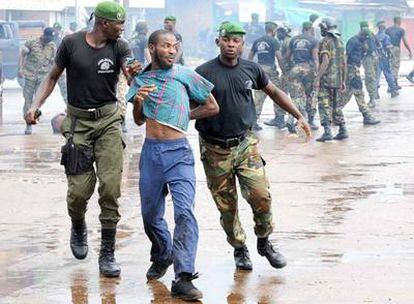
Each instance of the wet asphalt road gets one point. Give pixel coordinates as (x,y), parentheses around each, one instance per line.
(343,214)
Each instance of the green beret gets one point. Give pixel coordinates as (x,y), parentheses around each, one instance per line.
(363,24)
(230,28)
(170,18)
(57,25)
(110,10)
(306,25)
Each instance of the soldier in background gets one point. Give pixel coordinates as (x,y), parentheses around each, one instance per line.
(370,64)
(384,66)
(397,33)
(330,80)
(355,50)
(304,51)
(36,59)
(267,49)
(139,43)
(283,35)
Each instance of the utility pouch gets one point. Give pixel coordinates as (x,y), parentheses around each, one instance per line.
(76,159)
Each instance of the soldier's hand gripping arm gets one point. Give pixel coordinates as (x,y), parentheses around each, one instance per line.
(44,91)
(281,99)
(207,109)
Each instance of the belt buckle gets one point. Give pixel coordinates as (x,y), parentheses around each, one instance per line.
(232,142)
(93,113)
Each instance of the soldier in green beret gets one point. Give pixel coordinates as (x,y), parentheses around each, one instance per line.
(93,61)
(229,149)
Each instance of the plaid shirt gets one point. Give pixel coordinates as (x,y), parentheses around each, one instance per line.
(170,103)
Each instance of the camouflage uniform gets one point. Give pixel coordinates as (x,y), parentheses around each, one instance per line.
(329,105)
(37,63)
(222,166)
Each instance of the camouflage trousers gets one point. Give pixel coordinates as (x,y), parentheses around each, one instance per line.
(354,87)
(222,166)
(330,107)
(302,77)
(103,137)
(260,96)
(370,64)
(395,61)
(29,90)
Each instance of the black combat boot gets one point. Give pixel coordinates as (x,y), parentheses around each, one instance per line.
(342,134)
(79,239)
(275,258)
(327,134)
(158,269)
(394,93)
(242,258)
(311,122)
(184,289)
(108,266)
(369,119)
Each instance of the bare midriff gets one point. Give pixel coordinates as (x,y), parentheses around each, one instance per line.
(155,130)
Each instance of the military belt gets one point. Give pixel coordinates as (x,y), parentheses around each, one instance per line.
(224,142)
(93,113)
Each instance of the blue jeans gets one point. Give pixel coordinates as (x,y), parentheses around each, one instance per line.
(385,67)
(168,165)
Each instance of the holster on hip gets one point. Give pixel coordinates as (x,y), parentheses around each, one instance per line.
(77,159)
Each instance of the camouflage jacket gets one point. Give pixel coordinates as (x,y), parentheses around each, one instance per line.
(334,48)
(39,58)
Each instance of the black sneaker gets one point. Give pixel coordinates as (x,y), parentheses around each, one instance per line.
(182,288)
(158,269)
(242,258)
(275,258)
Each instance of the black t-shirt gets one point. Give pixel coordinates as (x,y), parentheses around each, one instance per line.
(301,47)
(266,47)
(92,74)
(396,34)
(233,91)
